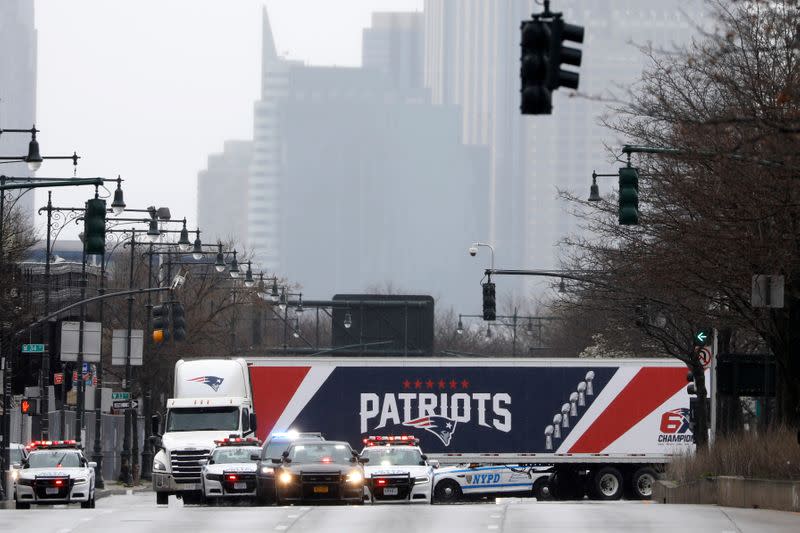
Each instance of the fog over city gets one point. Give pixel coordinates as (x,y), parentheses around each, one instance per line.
(364,153)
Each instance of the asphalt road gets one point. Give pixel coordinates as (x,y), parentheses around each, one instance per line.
(139,513)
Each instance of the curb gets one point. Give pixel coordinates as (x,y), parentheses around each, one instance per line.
(118,491)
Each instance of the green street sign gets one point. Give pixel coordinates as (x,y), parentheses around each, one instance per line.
(120,395)
(33,348)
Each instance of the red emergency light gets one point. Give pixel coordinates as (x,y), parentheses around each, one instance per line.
(232,477)
(238,441)
(378,440)
(40,444)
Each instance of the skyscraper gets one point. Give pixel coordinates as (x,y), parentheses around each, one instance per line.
(222,194)
(17,85)
(357,181)
(395,45)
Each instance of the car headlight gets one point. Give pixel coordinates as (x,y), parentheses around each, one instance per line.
(214,477)
(14,475)
(24,481)
(80,480)
(420,480)
(267,470)
(355,477)
(158,465)
(285,478)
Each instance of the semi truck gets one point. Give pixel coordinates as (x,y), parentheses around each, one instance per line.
(603,427)
(212,400)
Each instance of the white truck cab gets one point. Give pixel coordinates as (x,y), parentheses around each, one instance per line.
(212,401)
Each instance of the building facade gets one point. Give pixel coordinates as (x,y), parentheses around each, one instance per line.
(222,194)
(18,52)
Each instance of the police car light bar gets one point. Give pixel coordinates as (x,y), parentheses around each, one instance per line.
(38,444)
(238,441)
(377,440)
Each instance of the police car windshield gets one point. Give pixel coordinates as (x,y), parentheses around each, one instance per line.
(54,459)
(276,446)
(16,456)
(392,455)
(209,419)
(324,452)
(233,454)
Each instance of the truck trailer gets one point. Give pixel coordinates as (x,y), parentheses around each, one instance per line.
(604,427)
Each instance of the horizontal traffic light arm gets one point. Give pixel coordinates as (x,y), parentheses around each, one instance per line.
(89,300)
(54,182)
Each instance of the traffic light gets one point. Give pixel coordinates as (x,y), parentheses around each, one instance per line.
(160,323)
(536,39)
(178,321)
(94,226)
(628,196)
(560,31)
(702,337)
(489,302)
(29,406)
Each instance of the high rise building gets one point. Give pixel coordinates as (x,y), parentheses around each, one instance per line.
(222,194)
(357,181)
(17,86)
(395,44)
(472,60)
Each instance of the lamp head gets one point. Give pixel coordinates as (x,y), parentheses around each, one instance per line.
(473,251)
(184,244)
(34,158)
(197,250)
(118,205)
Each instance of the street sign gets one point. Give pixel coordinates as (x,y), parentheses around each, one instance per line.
(91,341)
(120,395)
(119,346)
(33,348)
(125,404)
(702,337)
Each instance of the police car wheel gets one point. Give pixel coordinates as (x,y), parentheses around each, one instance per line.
(541,490)
(87,504)
(162,498)
(447,491)
(642,483)
(20,505)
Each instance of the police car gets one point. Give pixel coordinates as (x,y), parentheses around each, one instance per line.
(230,472)
(55,472)
(454,483)
(397,471)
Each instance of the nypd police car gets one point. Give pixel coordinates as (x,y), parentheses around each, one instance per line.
(460,482)
(55,472)
(230,472)
(397,471)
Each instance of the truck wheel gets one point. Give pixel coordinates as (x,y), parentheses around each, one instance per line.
(20,505)
(642,483)
(541,490)
(447,491)
(162,498)
(607,484)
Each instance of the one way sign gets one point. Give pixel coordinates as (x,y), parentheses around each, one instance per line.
(119,405)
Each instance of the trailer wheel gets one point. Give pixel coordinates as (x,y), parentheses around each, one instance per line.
(162,498)
(541,489)
(607,484)
(642,483)
(447,491)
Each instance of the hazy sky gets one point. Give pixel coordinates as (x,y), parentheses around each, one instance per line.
(149,88)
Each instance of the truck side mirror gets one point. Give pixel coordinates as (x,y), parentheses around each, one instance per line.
(253,425)
(155,423)
(364,460)
(285,454)
(276,461)
(424,457)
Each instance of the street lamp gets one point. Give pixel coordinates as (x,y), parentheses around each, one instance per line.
(234,270)
(248,277)
(348,320)
(184,245)
(219,264)
(197,250)
(282,302)
(118,205)
(460,327)
(153,233)
(299,308)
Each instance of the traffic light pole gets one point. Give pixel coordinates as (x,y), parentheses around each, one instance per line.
(126,471)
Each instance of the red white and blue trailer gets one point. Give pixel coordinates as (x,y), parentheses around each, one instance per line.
(603,426)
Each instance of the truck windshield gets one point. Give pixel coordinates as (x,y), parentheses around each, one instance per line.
(392,455)
(207,419)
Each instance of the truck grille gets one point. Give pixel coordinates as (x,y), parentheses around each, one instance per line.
(187,464)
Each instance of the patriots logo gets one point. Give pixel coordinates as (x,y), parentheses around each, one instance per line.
(212,381)
(440,426)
